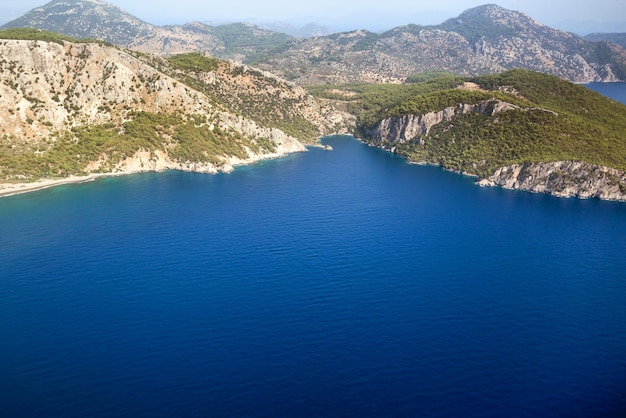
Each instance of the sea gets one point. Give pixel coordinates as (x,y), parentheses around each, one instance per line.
(344,283)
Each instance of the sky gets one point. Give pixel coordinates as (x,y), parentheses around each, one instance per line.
(577,16)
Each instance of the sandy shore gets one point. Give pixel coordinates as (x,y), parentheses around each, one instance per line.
(9,189)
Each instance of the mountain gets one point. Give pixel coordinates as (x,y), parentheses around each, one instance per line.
(517,129)
(73,108)
(616,38)
(101,20)
(481,40)
(97,19)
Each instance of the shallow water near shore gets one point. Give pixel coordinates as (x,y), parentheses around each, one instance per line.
(341,283)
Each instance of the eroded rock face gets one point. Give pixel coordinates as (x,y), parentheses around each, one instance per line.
(408,127)
(562,179)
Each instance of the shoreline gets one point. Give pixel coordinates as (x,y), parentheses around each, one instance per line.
(134,165)
(11,189)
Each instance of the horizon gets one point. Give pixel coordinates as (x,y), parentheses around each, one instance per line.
(581,18)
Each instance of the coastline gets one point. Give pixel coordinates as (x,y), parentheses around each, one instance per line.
(145,162)
(11,189)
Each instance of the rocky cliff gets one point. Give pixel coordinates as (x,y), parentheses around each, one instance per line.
(559,178)
(408,127)
(562,179)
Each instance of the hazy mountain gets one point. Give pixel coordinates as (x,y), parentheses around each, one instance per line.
(305,31)
(98,19)
(481,40)
(616,38)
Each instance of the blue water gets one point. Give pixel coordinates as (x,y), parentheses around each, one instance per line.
(343,283)
(616,91)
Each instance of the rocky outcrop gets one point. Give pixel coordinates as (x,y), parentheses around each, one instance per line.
(158,160)
(562,179)
(408,127)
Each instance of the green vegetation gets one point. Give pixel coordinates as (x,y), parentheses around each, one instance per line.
(265,104)
(194,61)
(30,34)
(192,139)
(242,37)
(371,102)
(438,100)
(427,76)
(557,120)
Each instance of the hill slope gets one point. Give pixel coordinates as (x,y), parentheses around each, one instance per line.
(518,129)
(72,108)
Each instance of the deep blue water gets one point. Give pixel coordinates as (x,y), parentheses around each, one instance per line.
(616,91)
(343,283)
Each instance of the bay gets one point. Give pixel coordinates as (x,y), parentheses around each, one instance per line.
(342,283)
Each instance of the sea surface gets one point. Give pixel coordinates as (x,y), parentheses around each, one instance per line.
(325,283)
(616,91)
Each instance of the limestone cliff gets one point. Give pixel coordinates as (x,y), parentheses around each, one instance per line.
(408,127)
(559,178)
(562,179)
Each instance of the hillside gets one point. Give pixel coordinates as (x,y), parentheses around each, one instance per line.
(517,129)
(71,108)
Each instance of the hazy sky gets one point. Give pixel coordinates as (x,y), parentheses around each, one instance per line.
(573,15)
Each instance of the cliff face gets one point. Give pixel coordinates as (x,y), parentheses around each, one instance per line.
(562,179)
(408,127)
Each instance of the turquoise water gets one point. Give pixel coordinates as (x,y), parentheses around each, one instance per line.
(343,283)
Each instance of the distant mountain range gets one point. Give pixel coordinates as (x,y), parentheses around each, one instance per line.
(298,31)
(481,40)
(616,38)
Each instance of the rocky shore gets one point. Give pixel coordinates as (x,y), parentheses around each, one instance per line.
(562,179)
